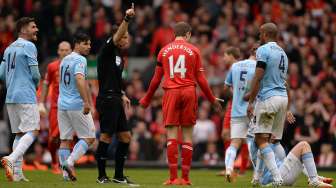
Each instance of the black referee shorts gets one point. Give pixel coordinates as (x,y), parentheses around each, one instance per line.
(112,117)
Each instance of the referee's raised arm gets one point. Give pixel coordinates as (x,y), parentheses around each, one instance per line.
(130,13)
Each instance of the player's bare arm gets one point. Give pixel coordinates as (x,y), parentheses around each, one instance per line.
(255,85)
(290,117)
(130,13)
(43,98)
(82,88)
(89,94)
(126,102)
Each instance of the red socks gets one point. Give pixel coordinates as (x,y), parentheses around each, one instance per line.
(187,151)
(172,155)
(53,147)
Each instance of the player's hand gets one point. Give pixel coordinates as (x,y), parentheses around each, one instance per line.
(126,102)
(143,103)
(217,106)
(290,117)
(42,109)
(130,12)
(86,108)
(247,96)
(92,110)
(250,109)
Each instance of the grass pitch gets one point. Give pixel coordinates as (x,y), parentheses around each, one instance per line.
(147,178)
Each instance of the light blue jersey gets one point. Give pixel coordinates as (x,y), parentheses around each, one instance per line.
(240,77)
(69,97)
(17,61)
(275,76)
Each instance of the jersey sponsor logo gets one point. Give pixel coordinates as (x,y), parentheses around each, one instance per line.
(118,60)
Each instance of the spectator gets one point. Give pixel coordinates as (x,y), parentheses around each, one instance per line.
(307,132)
(327,156)
(204,131)
(211,157)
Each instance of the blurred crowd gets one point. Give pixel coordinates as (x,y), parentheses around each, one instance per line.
(307,33)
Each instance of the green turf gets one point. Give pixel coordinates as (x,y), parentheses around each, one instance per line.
(145,177)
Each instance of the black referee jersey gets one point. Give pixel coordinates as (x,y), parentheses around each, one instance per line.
(110,66)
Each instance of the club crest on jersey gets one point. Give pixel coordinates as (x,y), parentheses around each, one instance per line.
(118,60)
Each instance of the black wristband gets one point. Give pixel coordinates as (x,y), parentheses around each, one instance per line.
(127,18)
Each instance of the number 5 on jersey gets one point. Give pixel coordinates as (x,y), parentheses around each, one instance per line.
(179,66)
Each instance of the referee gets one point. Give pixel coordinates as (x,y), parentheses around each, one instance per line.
(111,102)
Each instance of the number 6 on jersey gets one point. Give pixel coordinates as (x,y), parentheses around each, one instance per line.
(179,66)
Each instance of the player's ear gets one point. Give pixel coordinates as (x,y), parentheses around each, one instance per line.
(188,35)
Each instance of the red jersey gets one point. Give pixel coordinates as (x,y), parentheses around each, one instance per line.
(181,62)
(52,80)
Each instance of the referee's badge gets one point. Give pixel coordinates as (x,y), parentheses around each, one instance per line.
(118,60)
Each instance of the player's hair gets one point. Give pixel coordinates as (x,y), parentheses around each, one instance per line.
(23,22)
(80,37)
(181,29)
(270,29)
(235,52)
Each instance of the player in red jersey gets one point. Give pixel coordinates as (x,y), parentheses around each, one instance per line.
(179,63)
(51,81)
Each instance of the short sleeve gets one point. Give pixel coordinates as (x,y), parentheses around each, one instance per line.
(261,54)
(80,67)
(31,53)
(228,79)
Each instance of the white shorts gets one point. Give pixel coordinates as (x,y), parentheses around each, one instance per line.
(239,126)
(23,117)
(271,115)
(290,169)
(75,121)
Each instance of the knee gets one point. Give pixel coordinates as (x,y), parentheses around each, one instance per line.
(35,133)
(65,144)
(19,135)
(236,143)
(273,141)
(125,137)
(105,138)
(90,141)
(261,139)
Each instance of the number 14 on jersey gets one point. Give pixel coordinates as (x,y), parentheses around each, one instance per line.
(179,66)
